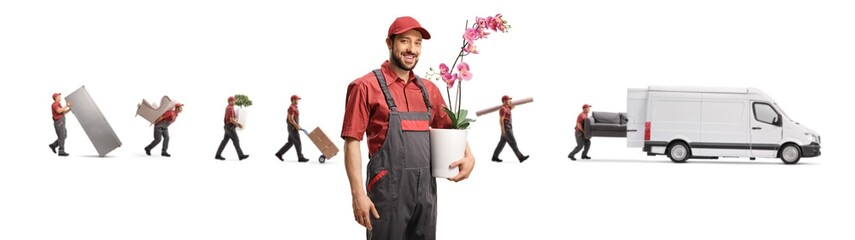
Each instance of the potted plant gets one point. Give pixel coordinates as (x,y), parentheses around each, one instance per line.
(449,145)
(242,101)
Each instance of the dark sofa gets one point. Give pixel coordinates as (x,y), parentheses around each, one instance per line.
(605,124)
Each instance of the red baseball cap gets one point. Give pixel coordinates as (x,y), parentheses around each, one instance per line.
(231,98)
(505,98)
(407,23)
(586,105)
(54,95)
(179,105)
(295,97)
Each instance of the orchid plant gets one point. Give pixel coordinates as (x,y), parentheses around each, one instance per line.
(482,27)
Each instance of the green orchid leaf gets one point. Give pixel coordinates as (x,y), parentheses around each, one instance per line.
(462,117)
(464,125)
(453,117)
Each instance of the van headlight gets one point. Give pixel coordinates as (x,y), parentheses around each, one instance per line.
(813,137)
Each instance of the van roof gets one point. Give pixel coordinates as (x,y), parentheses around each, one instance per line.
(704,89)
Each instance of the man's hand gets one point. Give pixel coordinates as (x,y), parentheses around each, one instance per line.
(68,104)
(466,164)
(239,125)
(363,208)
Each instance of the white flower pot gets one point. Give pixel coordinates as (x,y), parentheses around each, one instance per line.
(241,114)
(446,146)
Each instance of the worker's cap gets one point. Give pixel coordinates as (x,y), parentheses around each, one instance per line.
(586,106)
(407,23)
(54,95)
(505,98)
(231,98)
(179,105)
(295,97)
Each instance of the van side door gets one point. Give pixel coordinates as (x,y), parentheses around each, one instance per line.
(766,130)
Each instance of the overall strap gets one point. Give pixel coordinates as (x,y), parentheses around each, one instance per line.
(382,81)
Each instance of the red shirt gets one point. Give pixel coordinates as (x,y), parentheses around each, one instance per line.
(581,120)
(53,108)
(168,116)
(366,111)
(230,113)
(293,110)
(505,114)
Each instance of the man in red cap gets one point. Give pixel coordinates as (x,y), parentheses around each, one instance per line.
(396,109)
(581,139)
(58,112)
(231,122)
(161,128)
(293,132)
(507,136)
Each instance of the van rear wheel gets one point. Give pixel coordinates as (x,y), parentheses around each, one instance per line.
(679,152)
(791,154)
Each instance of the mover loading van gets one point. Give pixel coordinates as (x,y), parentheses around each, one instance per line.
(696,122)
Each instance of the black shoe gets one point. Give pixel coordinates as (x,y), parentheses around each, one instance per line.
(219,158)
(522,159)
(165,154)
(303,160)
(497,160)
(571,157)
(586,157)
(279,156)
(147,151)
(241,158)
(52,148)
(63,154)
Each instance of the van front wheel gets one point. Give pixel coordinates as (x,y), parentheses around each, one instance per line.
(679,152)
(791,154)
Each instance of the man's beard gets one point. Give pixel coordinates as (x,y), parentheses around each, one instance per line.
(400,63)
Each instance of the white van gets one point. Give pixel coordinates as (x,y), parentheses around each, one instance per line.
(696,122)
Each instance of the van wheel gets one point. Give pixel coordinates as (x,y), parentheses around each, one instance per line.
(791,154)
(679,152)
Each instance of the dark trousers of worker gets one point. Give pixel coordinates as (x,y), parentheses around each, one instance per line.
(399,177)
(160,130)
(508,138)
(581,142)
(231,134)
(61,134)
(293,140)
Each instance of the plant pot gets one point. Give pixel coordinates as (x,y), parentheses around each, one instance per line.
(446,146)
(241,114)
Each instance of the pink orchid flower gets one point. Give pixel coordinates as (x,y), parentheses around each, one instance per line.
(499,22)
(483,33)
(471,35)
(443,69)
(491,23)
(450,79)
(481,22)
(470,48)
(463,70)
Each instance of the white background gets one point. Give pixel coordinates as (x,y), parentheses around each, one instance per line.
(200,52)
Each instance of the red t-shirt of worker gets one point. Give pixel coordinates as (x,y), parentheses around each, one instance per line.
(505,114)
(581,119)
(53,107)
(168,116)
(366,112)
(230,113)
(294,111)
